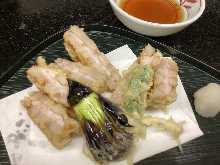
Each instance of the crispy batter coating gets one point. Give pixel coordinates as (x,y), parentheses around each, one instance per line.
(83,74)
(82,49)
(50,80)
(165,69)
(51,118)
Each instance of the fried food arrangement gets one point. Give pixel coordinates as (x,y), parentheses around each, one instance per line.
(104,126)
(66,86)
(150,82)
(69,102)
(82,49)
(51,118)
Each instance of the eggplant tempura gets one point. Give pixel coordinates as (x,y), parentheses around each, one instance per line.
(105,127)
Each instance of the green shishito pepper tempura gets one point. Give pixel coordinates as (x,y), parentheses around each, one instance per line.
(135,88)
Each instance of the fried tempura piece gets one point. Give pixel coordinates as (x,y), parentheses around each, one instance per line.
(81,48)
(165,77)
(85,75)
(51,118)
(50,80)
(132,92)
(149,56)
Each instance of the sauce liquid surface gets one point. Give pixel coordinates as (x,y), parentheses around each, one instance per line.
(157,11)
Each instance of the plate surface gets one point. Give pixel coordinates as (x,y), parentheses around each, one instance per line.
(193,73)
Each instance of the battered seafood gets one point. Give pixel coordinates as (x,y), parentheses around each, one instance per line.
(51,118)
(85,75)
(81,48)
(50,80)
(165,69)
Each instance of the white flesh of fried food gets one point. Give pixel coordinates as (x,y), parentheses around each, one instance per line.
(165,77)
(85,75)
(50,80)
(81,48)
(51,118)
(174,128)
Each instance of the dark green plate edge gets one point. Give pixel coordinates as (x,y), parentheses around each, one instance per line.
(105,28)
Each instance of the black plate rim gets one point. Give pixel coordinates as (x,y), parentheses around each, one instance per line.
(111,29)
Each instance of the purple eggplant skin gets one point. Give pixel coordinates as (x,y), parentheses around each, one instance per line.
(114,111)
(110,140)
(107,146)
(77,92)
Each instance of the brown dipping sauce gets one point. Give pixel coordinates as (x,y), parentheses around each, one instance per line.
(158,11)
